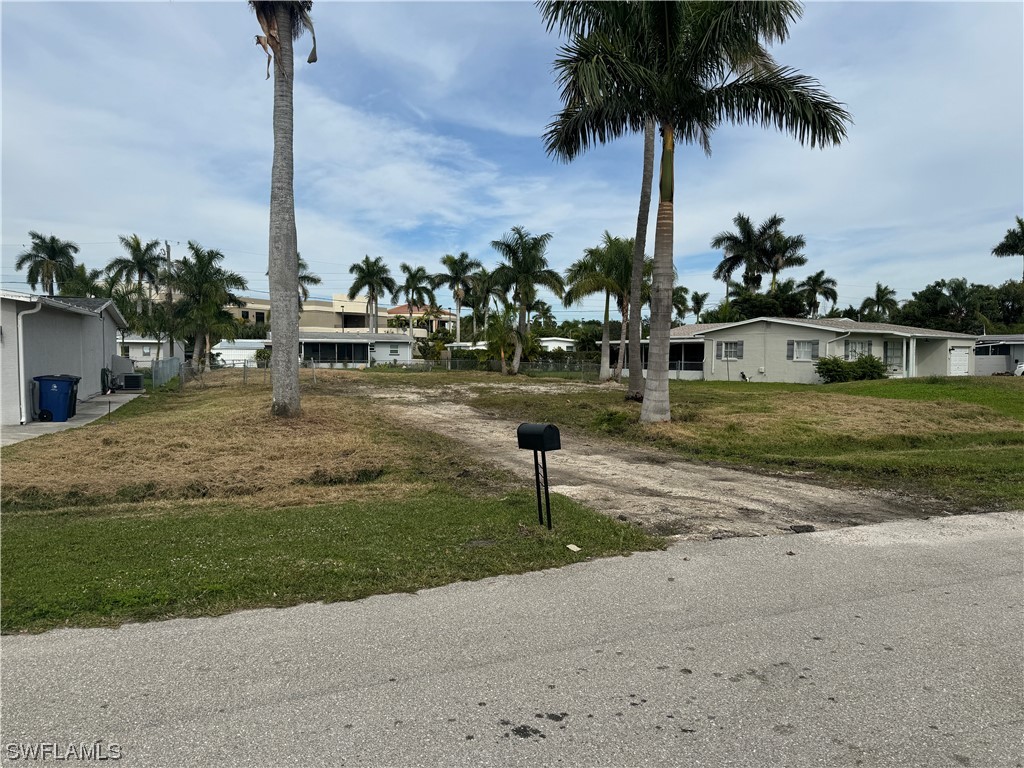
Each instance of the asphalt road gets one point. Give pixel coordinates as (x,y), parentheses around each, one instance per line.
(891,645)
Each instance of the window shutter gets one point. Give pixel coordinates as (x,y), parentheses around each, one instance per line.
(869,346)
(846,349)
(814,350)
(739,350)
(789,349)
(718,350)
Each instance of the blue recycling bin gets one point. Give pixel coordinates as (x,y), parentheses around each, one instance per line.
(55,396)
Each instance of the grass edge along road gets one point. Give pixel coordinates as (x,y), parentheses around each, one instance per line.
(416,513)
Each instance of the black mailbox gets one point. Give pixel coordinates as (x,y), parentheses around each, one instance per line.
(539,437)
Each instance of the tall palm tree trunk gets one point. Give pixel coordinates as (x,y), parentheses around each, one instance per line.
(284,260)
(458,321)
(656,403)
(606,345)
(517,358)
(617,373)
(635,387)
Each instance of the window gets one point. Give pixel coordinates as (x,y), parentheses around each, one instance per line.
(855,349)
(124,351)
(893,351)
(394,349)
(261,317)
(729,350)
(146,351)
(802,349)
(245,314)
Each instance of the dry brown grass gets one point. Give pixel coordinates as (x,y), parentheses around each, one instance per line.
(220,441)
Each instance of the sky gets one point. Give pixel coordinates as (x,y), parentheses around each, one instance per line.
(418,133)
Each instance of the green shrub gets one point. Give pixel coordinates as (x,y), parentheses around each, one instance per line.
(834,369)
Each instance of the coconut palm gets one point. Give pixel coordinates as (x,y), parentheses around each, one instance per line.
(697,302)
(784,252)
(306,279)
(525,267)
(1013,243)
(49,260)
(83,282)
(206,288)
(593,273)
(141,264)
(748,247)
(502,335)
(882,304)
(282,23)
(817,285)
(374,277)
(484,289)
(458,279)
(416,289)
(688,66)
(680,301)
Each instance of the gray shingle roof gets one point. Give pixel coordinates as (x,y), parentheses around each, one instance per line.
(852,326)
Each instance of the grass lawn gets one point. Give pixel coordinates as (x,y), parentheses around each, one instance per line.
(962,439)
(199,503)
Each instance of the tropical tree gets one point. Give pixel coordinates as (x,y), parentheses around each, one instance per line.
(306,279)
(524,269)
(502,335)
(680,301)
(542,314)
(748,247)
(483,289)
(882,304)
(416,289)
(784,252)
(82,281)
(282,23)
(457,278)
(141,264)
(374,277)
(687,66)
(697,302)
(49,260)
(1013,243)
(206,288)
(819,284)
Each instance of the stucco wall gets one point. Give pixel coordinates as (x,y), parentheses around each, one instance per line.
(764,354)
(10,410)
(932,357)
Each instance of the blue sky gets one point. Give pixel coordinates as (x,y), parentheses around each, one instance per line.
(417,133)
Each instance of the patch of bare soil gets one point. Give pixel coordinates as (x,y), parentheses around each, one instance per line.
(655,489)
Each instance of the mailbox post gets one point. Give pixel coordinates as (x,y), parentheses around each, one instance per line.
(540,438)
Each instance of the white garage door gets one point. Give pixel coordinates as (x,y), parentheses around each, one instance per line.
(958,361)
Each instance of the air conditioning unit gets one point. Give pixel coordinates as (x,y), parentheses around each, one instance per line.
(132,380)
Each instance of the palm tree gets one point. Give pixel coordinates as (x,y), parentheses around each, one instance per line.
(697,302)
(484,288)
(882,304)
(817,285)
(525,267)
(374,277)
(1013,243)
(306,279)
(688,66)
(784,252)
(542,314)
(49,261)
(502,336)
(415,289)
(748,247)
(593,273)
(680,303)
(141,264)
(83,282)
(206,288)
(283,22)
(457,279)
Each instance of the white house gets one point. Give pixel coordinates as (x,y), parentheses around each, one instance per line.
(142,351)
(551,343)
(786,349)
(998,353)
(43,336)
(343,349)
(239,351)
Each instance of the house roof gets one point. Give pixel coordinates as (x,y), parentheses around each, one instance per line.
(689,331)
(403,309)
(1001,338)
(81,306)
(850,326)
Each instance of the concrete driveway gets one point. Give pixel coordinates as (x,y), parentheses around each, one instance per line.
(100,406)
(889,645)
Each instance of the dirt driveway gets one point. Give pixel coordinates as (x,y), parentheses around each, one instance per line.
(649,487)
